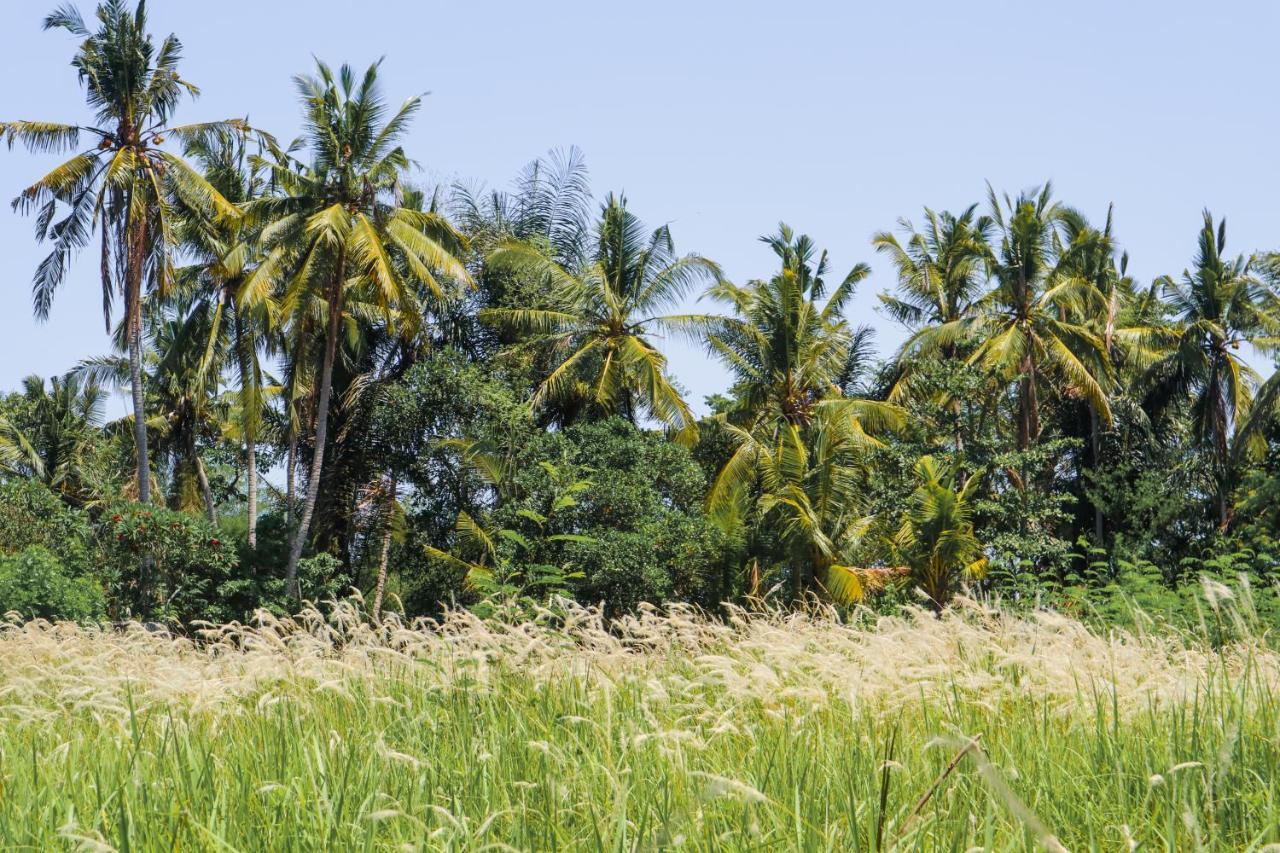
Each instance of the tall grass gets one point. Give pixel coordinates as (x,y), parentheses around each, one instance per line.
(669,730)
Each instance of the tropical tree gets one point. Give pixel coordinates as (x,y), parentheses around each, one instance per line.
(807,484)
(800,444)
(942,272)
(786,348)
(338,241)
(941,275)
(935,544)
(603,313)
(124,183)
(224,252)
(184,403)
(53,434)
(1030,328)
(1218,305)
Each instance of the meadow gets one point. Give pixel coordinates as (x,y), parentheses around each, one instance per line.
(772,730)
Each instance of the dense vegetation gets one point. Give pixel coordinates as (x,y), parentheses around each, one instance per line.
(447,397)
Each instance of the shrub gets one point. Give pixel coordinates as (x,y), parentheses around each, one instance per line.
(167,565)
(30,514)
(36,584)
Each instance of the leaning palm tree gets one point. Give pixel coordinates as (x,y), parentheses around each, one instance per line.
(1219,305)
(337,236)
(1030,329)
(603,314)
(123,184)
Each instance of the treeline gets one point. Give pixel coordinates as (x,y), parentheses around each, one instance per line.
(464,398)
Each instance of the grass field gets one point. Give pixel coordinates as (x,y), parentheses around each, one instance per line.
(773,731)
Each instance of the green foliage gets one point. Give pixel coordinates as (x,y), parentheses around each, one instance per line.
(167,565)
(32,515)
(35,584)
(482,374)
(650,540)
(935,542)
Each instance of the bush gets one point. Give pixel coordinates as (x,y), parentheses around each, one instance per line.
(36,584)
(30,514)
(168,565)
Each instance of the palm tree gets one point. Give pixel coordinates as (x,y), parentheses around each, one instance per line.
(808,484)
(124,183)
(800,442)
(181,396)
(337,235)
(1219,305)
(941,275)
(54,440)
(225,252)
(786,348)
(1030,328)
(935,543)
(602,314)
(550,205)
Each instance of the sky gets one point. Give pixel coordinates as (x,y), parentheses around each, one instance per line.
(723,118)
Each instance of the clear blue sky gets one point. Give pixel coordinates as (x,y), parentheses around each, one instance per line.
(722,118)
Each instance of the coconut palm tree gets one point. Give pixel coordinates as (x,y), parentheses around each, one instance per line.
(935,544)
(603,314)
(1031,328)
(123,183)
(942,272)
(1219,305)
(183,399)
(224,252)
(807,483)
(941,275)
(337,237)
(800,443)
(53,442)
(786,347)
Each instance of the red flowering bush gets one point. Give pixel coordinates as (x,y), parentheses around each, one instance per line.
(164,564)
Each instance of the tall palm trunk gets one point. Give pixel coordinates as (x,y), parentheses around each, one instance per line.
(322,430)
(202,476)
(1028,404)
(135,241)
(248,374)
(1095,459)
(1221,451)
(251,462)
(381,585)
(142,466)
(291,476)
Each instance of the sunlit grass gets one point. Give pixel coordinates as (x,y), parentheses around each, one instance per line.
(770,731)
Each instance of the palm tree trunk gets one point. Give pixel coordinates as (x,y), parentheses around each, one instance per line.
(381,586)
(1095,443)
(290,478)
(1028,405)
(248,374)
(210,506)
(251,461)
(143,465)
(322,432)
(135,236)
